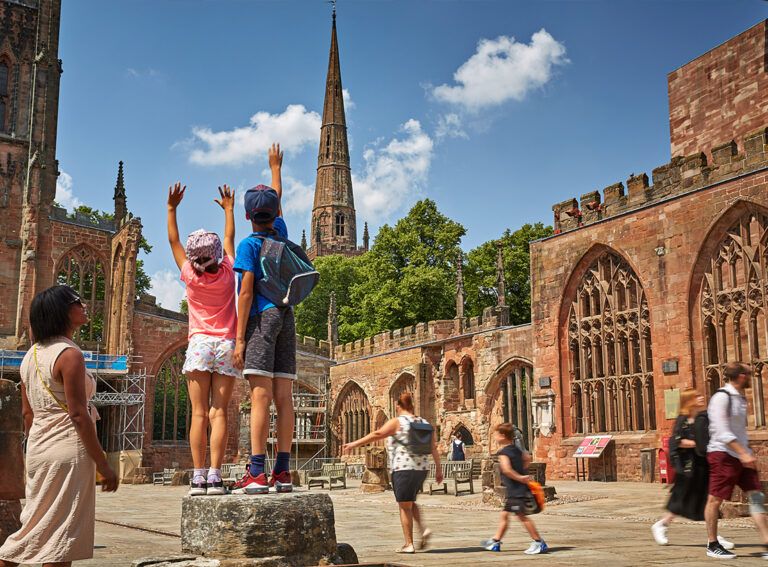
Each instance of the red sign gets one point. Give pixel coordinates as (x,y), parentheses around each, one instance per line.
(592,446)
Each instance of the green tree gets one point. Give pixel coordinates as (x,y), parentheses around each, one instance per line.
(480,273)
(184,307)
(93,214)
(338,274)
(408,275)
(143,281)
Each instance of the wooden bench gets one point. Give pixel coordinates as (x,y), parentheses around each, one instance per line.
(460,472)
(229,472)
(163,478)
(330,473)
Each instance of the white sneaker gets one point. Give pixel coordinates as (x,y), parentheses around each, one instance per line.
(725,543)
(659,532)
(536,547)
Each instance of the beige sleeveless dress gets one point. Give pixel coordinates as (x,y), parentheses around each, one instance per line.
(58,518)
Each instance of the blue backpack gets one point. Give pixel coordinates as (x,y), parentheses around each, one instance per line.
(287,274)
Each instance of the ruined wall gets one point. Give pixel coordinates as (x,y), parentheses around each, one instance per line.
(426,352)
(661,238)
(720,95)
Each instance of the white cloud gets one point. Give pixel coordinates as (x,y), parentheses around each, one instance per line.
(64,196)
(393,173)
(450,125)
(503,69)
(167,288)
(298,197)
(293,129)
(131,72)
(348,102)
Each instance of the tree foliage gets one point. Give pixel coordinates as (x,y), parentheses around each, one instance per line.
(93,214)
(480,273)
(407,276)
(143,281)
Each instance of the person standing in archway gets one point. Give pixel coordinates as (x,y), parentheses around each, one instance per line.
(457,448)
(408,466)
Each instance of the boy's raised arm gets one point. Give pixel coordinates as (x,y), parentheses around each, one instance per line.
(227,202)
(175,195)
(275,164)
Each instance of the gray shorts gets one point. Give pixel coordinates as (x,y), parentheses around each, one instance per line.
(270,344)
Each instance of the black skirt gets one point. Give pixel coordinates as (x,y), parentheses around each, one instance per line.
(689,493)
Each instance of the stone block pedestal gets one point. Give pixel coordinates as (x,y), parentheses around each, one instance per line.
(376,475)
(270,530)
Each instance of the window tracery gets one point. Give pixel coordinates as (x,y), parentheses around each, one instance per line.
(353,417)
(172,408)
(609,343)
(732,305)
(405,383)
(82,270)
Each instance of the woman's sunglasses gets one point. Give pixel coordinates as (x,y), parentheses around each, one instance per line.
(78,301)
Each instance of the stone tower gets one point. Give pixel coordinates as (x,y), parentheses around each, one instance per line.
(334,227)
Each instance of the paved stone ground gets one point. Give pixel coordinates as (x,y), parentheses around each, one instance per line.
(596,524)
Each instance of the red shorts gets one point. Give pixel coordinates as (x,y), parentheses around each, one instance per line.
(726,471)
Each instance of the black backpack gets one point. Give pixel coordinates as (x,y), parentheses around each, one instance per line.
(419,440)
(701,426)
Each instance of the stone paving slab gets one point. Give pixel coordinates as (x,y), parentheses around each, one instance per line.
(603,524)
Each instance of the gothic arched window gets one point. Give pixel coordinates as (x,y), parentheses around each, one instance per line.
(609,338)
(733,305)
(352,416)
(4,99)
(82,270)
(405,383)
(467,380)
(339,224)
(172,409)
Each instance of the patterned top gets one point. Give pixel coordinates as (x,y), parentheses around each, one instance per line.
(399,457)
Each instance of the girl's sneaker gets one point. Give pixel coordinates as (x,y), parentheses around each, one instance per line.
(281,481)
(536,547)
(251,485)
(215,486)
(199,487)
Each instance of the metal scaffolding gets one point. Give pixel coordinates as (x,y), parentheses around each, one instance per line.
(121,402)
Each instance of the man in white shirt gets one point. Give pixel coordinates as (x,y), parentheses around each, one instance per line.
(731,461)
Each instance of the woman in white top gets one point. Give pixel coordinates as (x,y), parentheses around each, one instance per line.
(407,470)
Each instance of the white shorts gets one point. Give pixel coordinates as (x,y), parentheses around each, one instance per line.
(210,354)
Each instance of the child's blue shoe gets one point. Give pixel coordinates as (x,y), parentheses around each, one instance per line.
(491,544)
(537,547)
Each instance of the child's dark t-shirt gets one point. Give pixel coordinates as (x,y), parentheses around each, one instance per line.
(514,489)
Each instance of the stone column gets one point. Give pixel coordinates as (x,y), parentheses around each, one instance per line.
(11,459)
(519,395)
(376,476)
(510,397)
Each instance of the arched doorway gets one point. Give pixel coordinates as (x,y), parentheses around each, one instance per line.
(406,382)
(351,417)
(509,399)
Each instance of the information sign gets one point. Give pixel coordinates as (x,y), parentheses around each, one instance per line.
(592,446)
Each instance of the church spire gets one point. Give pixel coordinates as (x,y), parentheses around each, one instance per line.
(333,213)
(121,208)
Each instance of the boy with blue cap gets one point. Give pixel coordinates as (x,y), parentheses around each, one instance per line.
(265,347)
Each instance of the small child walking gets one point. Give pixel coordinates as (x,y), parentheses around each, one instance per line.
(209,366)
(266,341)
(514,465)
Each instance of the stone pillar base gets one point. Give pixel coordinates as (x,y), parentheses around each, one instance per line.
(280,530)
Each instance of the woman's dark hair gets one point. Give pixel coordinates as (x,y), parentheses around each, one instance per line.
(405,401)
(49,312)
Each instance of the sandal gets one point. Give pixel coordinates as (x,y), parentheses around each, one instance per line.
(425,538)
(405,549)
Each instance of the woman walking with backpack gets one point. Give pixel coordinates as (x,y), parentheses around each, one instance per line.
(408,464)
(688,496)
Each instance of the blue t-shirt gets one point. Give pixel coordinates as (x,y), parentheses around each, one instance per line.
(247,260)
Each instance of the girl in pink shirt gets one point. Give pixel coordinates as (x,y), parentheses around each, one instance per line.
(212,328)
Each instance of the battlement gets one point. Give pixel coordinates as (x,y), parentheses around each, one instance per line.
(421,333)
(680,175)
(148,304)
(311,345)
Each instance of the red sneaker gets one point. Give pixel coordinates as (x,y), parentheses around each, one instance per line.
(251,485)
(281,481)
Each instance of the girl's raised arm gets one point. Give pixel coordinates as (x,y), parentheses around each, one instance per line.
(227,202)
(175,195)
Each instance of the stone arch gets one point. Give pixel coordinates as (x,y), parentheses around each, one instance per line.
(405,382)
(351,416)
(507,398)
(466,434)
(83,269)
(171,409)
(728,300)
(617,337)
(467,380)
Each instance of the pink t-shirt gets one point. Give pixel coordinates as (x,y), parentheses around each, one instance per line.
(211,300)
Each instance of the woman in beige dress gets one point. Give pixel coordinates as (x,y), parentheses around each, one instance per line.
(62,447)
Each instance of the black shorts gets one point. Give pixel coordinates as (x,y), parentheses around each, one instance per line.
(270,344)
(407,484)
(515,505)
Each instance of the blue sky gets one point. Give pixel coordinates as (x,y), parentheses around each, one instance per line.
(495,109)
